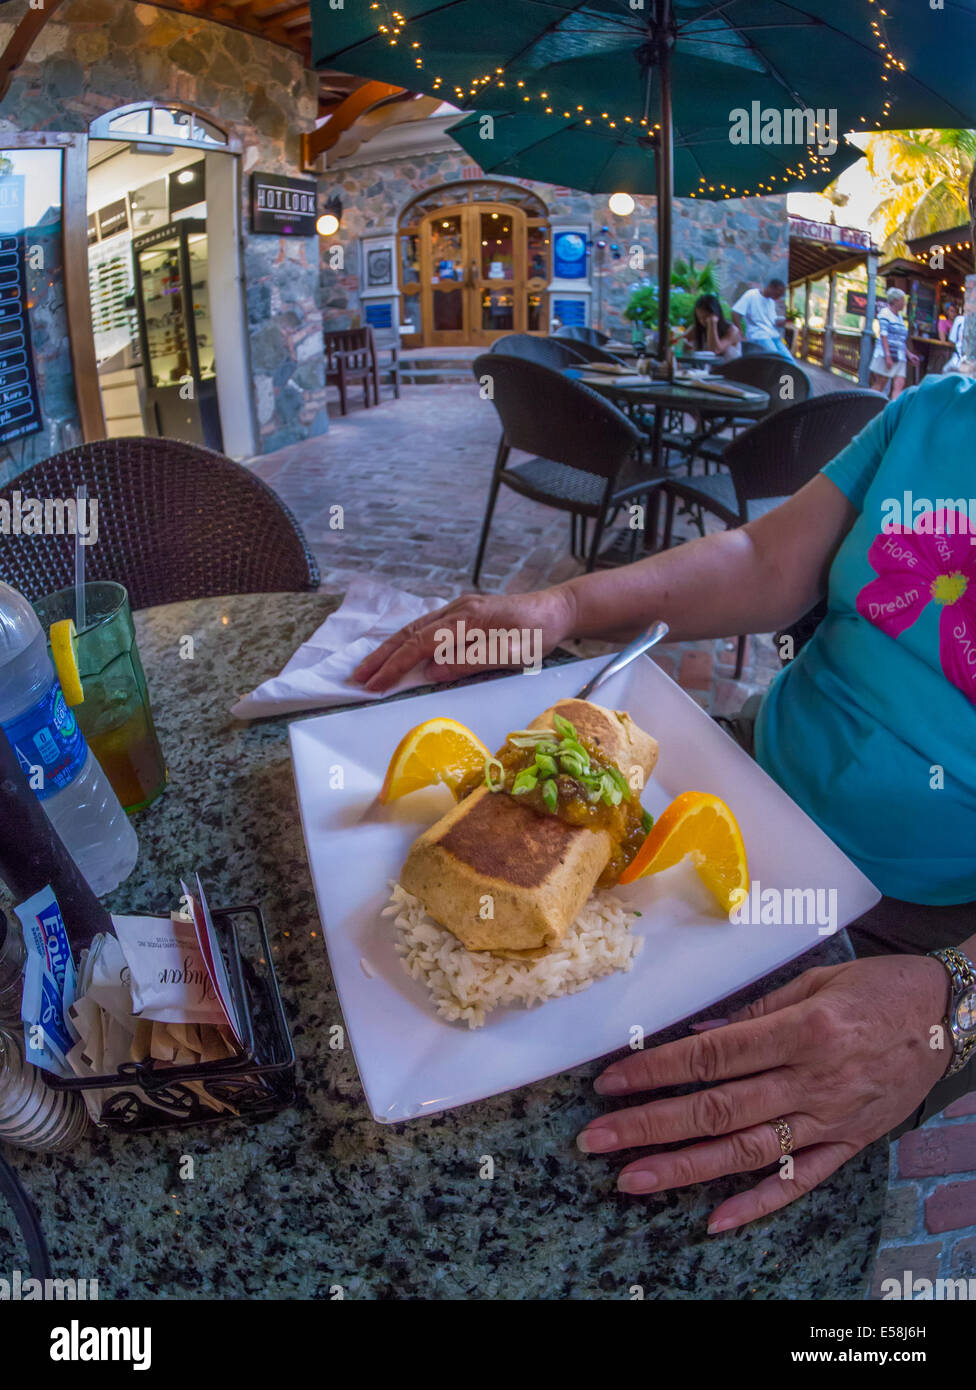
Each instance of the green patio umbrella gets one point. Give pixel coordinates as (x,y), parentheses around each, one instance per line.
(595,159)
(615,64)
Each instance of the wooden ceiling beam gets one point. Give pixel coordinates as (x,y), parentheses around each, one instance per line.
(367,96)
(267,9)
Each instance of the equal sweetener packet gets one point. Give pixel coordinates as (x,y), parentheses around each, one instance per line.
(49,983)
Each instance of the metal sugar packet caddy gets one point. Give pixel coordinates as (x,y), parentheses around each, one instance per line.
(257,1082)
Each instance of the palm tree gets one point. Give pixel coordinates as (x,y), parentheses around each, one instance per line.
(924,176)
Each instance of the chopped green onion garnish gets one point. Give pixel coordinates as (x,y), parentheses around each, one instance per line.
(610,792)
(550,795)
(525,781)
(620,781)
(572,745)
(490,765)
(571,764)
(647,820)
(546,765)
(563,726)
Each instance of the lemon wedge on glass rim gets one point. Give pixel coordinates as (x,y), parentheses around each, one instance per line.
(64,651)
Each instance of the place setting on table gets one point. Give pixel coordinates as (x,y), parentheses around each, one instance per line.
(645,955)
(670,387)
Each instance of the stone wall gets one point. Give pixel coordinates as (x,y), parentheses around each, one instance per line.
(747,237)
(96,55)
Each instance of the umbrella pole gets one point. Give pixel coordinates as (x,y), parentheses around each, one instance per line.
(664,157)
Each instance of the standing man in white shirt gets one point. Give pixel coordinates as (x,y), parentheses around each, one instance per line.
(954,336)
(760,318)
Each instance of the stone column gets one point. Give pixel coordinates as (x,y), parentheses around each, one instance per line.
(867,333)
(828,349)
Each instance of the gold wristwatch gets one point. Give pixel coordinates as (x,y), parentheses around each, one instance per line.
(960,1021)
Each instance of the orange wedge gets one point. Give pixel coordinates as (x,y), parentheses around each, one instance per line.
(439,750)
(702,826)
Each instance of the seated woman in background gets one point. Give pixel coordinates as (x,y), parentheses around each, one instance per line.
(711,330)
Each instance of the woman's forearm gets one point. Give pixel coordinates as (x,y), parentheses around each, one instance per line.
(703,589)
(755,578)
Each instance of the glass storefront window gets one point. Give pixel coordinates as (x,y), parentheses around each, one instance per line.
(200,300)
(537,239)
(497,254)
(166,330)
(446,250)
(410,259)
(173,124)
(132,123)
(412,312)
(37,400)
(497,310)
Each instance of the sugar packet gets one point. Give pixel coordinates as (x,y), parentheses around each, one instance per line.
(168,976)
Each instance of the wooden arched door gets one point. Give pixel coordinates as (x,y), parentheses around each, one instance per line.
(484,269)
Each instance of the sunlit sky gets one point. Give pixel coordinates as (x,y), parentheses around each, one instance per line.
(863,196)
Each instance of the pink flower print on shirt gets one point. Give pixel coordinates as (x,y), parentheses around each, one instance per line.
(932,562)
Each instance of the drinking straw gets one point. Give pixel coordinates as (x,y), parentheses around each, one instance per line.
(80,615)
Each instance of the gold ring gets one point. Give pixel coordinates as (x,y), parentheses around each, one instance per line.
(785,1134)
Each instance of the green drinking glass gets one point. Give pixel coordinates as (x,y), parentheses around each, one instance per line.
(115,715)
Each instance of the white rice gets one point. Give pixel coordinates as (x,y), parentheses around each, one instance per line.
(467,985)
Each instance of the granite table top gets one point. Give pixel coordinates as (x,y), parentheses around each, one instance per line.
(321,1198)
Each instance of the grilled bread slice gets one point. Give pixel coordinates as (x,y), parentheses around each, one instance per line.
(502,877)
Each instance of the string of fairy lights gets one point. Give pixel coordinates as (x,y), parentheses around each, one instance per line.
(393,26)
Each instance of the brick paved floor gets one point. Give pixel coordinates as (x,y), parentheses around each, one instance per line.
(412,477)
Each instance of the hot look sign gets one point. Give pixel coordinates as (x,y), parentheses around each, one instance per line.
(281,206)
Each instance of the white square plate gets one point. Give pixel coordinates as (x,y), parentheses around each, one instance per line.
(412,1062)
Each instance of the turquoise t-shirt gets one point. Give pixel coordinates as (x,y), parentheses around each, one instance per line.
(872,728)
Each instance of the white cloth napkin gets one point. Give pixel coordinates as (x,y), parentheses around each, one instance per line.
(318,675)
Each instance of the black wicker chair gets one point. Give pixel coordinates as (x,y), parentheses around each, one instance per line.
(773,460)
(546,351)
(593,336)
(588,351)
(175,521)
(586,453)
(785,382)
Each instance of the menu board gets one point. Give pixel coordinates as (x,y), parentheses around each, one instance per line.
(20,411)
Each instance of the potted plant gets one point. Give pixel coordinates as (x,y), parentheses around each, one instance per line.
(688,280)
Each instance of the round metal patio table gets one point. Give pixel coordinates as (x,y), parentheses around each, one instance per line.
(321,1195)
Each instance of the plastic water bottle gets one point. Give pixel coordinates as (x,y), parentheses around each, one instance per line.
(51,749)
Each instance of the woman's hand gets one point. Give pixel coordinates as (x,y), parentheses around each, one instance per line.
(843,1053)
(545,617)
